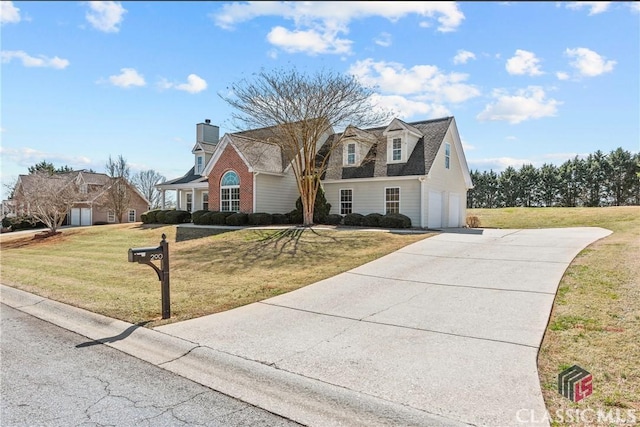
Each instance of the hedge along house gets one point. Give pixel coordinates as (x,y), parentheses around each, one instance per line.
(417,169)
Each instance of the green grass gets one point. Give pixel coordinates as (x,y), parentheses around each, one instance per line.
(88,267)
(595,321)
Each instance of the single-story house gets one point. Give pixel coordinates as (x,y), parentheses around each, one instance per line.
(89,208)
(417,169)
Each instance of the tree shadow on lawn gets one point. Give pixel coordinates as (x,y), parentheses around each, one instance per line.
(287,242)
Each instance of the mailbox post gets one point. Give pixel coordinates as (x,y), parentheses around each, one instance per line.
(160,253)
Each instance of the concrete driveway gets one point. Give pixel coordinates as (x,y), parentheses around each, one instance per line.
(443,332)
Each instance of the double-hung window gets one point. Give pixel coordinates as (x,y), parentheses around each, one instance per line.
(111,216)
(351,154)
(199,164)
(346,201)
(132,215)
(230,192)
(189,202)
(392,200)
(205,201)
(397,149)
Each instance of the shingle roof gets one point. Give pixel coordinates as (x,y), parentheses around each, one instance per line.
(375,162)
(262,156)
(187,178)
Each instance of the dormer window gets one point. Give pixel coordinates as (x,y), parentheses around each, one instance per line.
(351,154)
(84,188)
(199,164)
(397,149)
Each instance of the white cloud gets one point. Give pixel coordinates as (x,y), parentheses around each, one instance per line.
(524,62)
(425,82)
(594,7)
(404,108)
(310,41)
(384,40)
(32,61)
(9,14)
(194,84)
(26,157)
(128,77)
(463,56)
(525,104)
(588,63)
(497,164)
(322,25)
(105,15)
(562,75)
(634,6)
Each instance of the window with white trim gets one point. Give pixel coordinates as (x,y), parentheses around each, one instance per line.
(111,216)
(205,201)
(397,149)
(132,215)
(346,201)
(230,192)
(447,155)
(392,200)
(351,154)
(84,188)
(189,202)
(199,164)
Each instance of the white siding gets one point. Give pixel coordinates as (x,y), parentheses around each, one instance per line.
(448,181)
(275,194)
(369,196)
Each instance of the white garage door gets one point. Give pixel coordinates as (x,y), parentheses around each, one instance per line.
(75,216)
(80,216)
(435,210)
(454,210)
(85,216)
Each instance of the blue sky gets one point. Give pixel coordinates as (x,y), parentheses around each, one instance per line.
(529,82)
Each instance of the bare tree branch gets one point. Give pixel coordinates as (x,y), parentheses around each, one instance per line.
(299,111)
(145,181)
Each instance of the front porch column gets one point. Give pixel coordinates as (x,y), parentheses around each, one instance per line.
(178,199)
(162,199)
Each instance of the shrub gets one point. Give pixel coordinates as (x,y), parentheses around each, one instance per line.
(280,218)
(321,208)
(237,218)
(295,217)
(260,218)
(353,219)
(6,222)
(151,216)
(161,217)
(197,215)
(473,221)
(395,220)
(177,217)
(333,219)
(219,218)
(372,220)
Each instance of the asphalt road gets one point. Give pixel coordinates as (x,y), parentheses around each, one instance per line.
(53,377)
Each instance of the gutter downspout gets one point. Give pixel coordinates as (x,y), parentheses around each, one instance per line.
(253,192)
(423,183)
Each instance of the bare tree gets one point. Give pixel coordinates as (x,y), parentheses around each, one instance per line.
(298,111)
(47,197)
(145,181)
(118,194)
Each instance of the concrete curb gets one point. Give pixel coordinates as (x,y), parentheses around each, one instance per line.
(304,400)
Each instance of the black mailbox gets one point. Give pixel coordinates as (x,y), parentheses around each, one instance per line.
(160,253)
(144,255)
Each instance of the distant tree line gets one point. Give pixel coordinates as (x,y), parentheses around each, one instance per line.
(597,180)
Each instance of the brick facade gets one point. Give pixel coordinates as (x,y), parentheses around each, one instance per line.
(230,160)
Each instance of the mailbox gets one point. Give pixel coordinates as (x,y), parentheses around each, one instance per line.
(147,256)
(144,255)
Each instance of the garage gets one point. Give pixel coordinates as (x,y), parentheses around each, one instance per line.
(80,216)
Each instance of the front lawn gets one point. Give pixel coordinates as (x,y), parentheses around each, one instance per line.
(88,267)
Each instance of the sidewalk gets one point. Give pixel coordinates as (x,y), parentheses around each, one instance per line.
(443,332)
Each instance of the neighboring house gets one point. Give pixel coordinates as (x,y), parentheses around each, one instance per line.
(89,209)
(417,169)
